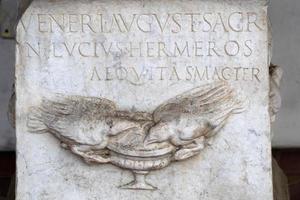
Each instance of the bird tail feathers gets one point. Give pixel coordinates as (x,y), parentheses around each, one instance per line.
(35,122)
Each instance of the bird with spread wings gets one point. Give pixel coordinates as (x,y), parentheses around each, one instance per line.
(87,125)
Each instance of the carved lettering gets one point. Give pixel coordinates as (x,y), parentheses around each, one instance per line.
(173,46)
(175,74)
(33,50)
(42,23)
(141,49)
(174,23)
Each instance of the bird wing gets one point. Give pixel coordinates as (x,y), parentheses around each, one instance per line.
(63,114)
(213,102)
(194,116)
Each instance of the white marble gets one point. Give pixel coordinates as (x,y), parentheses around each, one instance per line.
(139,59)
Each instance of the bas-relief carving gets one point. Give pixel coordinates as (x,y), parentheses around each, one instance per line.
(99,132)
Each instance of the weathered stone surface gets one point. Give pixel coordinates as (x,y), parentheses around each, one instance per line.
(110,91)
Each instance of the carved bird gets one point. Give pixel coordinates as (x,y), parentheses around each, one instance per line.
(96,130)
(86,125)
(187,120)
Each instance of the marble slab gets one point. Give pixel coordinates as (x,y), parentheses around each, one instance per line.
(139,100)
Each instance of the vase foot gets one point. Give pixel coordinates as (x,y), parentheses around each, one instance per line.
(139,182)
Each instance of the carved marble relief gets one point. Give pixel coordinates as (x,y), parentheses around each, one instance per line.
(99,132)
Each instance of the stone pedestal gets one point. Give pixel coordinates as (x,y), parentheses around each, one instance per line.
(139,100)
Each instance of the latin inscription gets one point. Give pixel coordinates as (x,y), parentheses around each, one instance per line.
(175,73)
(150,49)
(159,36)
(146,22)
